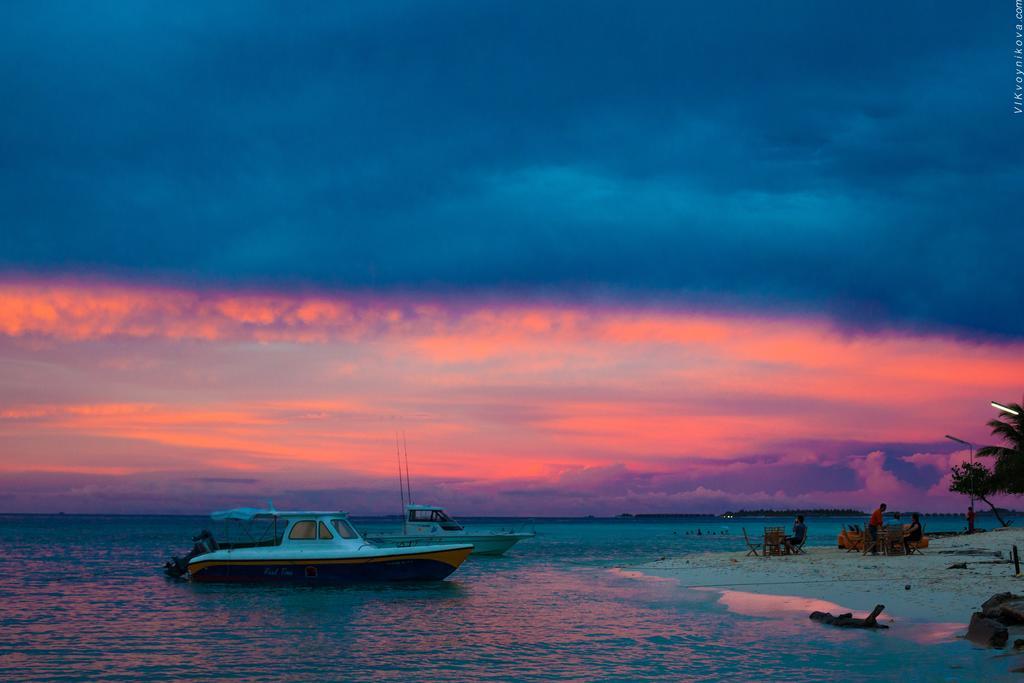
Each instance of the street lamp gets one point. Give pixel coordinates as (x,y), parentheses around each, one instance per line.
(1005,409)
(971,447)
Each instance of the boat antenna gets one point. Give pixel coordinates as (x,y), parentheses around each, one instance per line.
(408,489)
(401,489)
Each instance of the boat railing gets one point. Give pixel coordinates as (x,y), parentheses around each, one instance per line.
(521,529)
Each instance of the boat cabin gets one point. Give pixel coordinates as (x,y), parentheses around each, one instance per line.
(429,524)
(253,528)
(426,519)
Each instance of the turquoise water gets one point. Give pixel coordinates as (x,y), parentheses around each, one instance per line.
(84,598)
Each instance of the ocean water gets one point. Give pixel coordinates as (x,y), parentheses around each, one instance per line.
(84,598)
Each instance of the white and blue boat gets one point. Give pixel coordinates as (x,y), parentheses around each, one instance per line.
(423,525)
(271,546)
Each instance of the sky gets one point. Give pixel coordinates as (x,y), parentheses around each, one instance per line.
(589,258)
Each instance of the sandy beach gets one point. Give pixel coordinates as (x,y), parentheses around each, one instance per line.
(828,578)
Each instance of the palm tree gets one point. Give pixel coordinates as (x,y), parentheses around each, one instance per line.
(1009,467)
(974,479)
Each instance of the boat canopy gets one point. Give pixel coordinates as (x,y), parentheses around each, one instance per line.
(248,514)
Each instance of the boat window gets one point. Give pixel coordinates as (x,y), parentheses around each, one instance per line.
(325,533)
(345,529)
(421,515)
(439,516)
(303,531)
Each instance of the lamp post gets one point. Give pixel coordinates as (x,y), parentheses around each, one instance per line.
(971,447)
(1005,409)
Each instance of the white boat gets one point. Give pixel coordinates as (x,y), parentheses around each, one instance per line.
(309,547)
(426,524)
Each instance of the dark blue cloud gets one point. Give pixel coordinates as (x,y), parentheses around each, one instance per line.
(861,162)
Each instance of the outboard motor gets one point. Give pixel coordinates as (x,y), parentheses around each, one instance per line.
(204,543)
(177,567)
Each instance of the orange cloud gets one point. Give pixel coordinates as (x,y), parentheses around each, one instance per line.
(493,392)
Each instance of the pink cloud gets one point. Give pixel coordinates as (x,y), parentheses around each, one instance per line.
(551,399)
(943,463)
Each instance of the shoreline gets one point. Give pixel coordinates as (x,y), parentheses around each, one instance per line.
(830,577)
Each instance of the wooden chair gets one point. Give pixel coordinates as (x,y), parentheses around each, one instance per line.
(752,546)
(774,540)
(854,540)
(798,548)
(914,547)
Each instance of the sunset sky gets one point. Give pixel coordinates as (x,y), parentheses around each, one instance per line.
(589,258)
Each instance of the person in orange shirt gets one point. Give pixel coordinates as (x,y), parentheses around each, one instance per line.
(874,524)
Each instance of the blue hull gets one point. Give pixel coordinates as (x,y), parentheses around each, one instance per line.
(417,569)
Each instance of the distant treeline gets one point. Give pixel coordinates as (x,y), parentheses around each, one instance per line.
(654,515)
(817,512)
(1003,511)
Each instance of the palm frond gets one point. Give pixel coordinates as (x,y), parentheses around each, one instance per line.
(1004,429)
(998,452)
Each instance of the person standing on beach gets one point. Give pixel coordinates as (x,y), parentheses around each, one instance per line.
(874,524)
(970,519)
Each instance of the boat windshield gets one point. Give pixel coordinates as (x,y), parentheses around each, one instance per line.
(429,516)
(345,529)
(436,516)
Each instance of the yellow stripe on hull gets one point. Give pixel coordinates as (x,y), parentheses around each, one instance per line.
(453,558)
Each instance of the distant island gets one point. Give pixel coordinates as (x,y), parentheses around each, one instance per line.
(665,515)
(817,512)
(847,512)
(814,512)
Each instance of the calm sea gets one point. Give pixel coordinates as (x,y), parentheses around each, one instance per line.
(84,598)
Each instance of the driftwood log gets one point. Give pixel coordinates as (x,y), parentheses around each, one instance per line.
(849,621)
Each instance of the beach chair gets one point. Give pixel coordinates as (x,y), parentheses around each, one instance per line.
(752,546)
(798,548)
(854,540)
(915,546)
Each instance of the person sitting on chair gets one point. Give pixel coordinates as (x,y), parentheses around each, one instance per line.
(799,534)
(913,533)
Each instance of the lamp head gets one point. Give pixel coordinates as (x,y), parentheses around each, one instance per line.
(1005,409)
